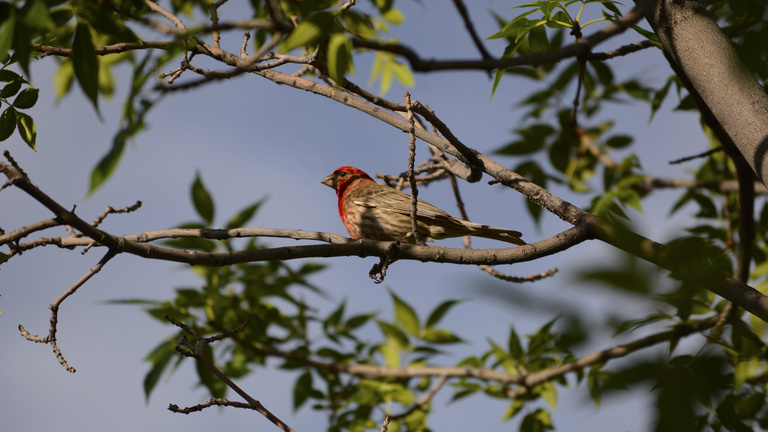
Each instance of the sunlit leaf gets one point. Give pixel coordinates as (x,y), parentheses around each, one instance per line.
(27,129)
(405,316)
(339,56)
(309,31)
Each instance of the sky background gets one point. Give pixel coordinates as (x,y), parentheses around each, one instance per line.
(249,138)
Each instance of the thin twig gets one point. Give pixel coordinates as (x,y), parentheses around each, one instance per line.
(109,210)
(621,51)
(244,47)
(581,47)
(346,5)
(165,13)
(697,156)
(411,174)
(213,9)
(471,29)
(51,338)
(423,400)
(197,353)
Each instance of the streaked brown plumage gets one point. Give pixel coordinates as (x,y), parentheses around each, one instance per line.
(375,211)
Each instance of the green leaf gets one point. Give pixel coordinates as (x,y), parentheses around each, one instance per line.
(359,25)
(548,391)
(402,73)
(440,311)
(63,79)
(7,123)
(405,316)
(309,31)
(7,28)
(107,164)
(27,129)
(339,57)
(86,63)
(659,96)
(537,421)
(619,141)
(302,390)
(439,336)
(537,39)
(202,200)
(160,357)
(513,409)
(8,76)
(334,318)
(215,386)
(393,333)
(244,215)
(11,88)
(515,29)
(35,14)
(509,52)
(26,99)
(514,346)
(393,16)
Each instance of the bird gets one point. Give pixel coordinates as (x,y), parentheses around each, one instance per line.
(374,211)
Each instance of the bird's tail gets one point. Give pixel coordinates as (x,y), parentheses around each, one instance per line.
(495,233)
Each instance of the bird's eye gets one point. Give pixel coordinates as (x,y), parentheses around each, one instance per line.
(343,174)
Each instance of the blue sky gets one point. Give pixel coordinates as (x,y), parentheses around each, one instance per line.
(249,138)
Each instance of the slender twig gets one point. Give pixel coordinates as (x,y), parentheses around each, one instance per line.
(165,13)
(24,231)
(423,400)
(110,210)
(347,5)
(697,156)
(51,338)
(471,28)
(411,174)
(213,9)
(722,186)
(621,51)
(746,179)
(210,402)
(530,380)
(244,47)
(486,268)
(108,49)
(196,351)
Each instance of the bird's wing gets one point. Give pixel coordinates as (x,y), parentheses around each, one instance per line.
(387,198)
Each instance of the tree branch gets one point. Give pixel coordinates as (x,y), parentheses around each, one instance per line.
(729,97)
(579,48)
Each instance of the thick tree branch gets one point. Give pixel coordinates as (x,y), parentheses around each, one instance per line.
(731,100)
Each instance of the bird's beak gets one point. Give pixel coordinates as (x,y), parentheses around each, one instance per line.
(329,181)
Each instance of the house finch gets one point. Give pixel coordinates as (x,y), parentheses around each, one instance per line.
(375,211)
